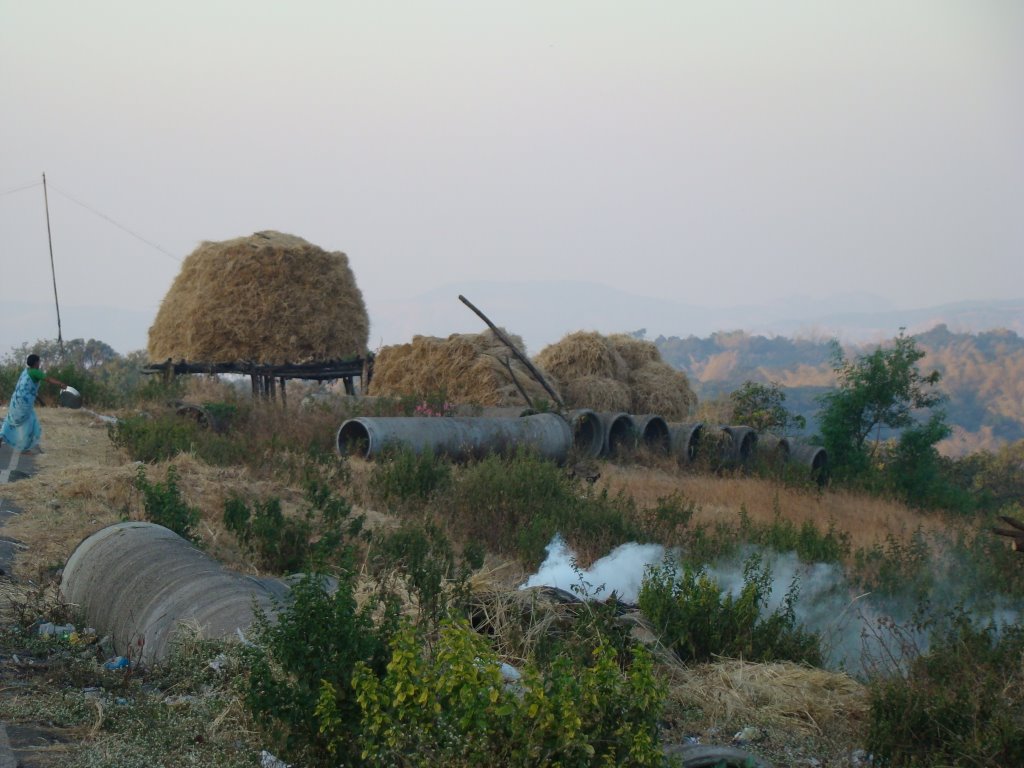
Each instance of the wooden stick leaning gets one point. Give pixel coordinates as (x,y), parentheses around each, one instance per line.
(522,358)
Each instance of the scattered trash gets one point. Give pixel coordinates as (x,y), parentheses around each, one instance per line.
(748,735)
(50,629)
(118,662)
(267,760)
(219,664)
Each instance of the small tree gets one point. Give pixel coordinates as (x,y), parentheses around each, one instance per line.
(882,389)
(761,406)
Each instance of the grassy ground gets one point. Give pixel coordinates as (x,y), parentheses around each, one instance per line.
(793,715)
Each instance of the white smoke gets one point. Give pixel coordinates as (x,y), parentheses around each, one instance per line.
(621,571)
(860,633)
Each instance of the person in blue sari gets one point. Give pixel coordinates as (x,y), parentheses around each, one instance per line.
(21,428)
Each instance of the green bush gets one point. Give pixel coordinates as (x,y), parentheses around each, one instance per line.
(319,636)
(289,544)
(781,535)
(516,505)
(699,621)
(158,438)
(406,479)
(959,705)
(451,706)
(165,506)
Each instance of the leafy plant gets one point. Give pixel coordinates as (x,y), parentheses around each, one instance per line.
(452,706)
(699,621)
(761,406)
(960,703)
(406,478)
(164,504)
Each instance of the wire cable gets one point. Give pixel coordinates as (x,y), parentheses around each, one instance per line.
(120,226)
(21,189)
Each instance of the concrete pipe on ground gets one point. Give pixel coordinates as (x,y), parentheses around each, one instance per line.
(684,440)
(619,431)
(772,449)
(459,438)
(814,457)
(743,443)
(138,582)
(653,432)
(587,432)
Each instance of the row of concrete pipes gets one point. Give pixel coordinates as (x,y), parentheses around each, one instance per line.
(589,433)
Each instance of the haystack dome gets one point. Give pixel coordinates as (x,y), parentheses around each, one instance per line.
(270,299)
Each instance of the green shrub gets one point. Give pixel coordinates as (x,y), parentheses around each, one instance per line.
(699,621)
(782,535)
(165,506)
(959,705)
(289,544)
(452,707)
(158,438)
(406,479)
(896,569)
(516,505)
(319,636)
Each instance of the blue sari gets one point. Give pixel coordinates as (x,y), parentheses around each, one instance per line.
(21,428)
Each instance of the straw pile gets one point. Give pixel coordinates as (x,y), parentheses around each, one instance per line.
(270,298)
(465,368)
(778,694)
(616,373)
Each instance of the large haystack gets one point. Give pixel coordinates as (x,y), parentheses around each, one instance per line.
(270,298)
(467,368)
(616,373)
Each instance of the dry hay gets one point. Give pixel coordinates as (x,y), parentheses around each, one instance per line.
(465,368)
(617,373)
(635,352)
(597,393)
(659,388)
(780,694)
(579,354)
(270,298)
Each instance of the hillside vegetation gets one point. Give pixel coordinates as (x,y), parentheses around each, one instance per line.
(981,374)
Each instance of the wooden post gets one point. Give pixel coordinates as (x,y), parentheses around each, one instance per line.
(284,394)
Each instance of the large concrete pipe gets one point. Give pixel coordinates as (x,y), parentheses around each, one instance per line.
(137,582)
(772,450)
(459,438)
(652,431)
(587,432)
(814,457)
(743,441)
(685,440)
(619,431)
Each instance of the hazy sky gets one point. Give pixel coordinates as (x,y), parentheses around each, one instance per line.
(715,152)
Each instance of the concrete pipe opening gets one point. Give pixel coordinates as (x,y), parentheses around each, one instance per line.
(459,438)
(139,582)
(619,431)
(653,432)
(744,441)
(814,457)
(685,440)
(587,432)
(772,450)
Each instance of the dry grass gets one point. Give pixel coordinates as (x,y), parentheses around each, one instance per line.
(868,520)
(269,298)
(783,695)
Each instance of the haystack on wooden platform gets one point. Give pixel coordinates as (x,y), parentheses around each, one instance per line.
(270,299)
(616,373)
(467,368)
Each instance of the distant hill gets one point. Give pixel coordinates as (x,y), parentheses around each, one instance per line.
(982,374)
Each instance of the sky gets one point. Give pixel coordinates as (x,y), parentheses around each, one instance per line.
(716,153)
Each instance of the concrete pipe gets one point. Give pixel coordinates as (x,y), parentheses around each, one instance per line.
(814,457)
(652,431)
(772,449)
(587,432)
(684,440)
(548,434)
(138,582)
(619,431)
(743,443)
